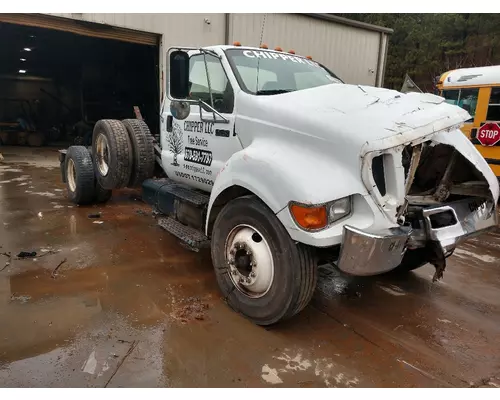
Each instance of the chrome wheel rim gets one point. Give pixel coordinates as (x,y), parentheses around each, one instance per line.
(71,175)
(250,261)
(102,154)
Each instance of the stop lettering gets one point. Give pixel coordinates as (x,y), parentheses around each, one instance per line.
(488,134)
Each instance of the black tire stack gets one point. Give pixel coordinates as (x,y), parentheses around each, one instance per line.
(129,159)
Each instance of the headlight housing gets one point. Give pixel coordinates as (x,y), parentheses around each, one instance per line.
(339,209)
(318,217)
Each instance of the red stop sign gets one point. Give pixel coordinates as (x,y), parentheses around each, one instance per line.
(488,134)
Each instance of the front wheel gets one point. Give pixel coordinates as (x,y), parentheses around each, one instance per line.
(261,272)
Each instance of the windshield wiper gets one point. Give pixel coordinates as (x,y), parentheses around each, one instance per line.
(273,91)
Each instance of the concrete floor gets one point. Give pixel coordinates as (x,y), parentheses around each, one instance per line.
(130,307)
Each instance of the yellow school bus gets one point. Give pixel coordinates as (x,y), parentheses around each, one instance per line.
(477,90)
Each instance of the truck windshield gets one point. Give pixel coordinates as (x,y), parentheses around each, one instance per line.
(271,73)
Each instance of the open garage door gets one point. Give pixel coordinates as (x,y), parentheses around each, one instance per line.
(59,77)
(82,28)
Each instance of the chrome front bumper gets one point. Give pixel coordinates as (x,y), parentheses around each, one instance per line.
(365,253)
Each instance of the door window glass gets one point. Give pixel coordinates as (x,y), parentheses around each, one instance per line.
(464,98)
(494,105)
(222,91)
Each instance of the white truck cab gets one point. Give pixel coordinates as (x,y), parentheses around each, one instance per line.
(278,166)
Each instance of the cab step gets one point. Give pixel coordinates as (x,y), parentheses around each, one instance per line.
(192,237)
(161,193)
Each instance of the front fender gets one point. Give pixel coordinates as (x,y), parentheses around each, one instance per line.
(279,172)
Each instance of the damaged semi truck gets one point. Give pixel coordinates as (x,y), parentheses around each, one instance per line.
(277,166)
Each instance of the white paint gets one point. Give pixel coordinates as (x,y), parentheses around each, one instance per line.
(295,363)
(58,206)
(327,370)
(444,321)
(270,375)
(90,365)
(98,222)
(481,257)
(489,75)
(58,190)
(23,184)
(40,215)
(289,146)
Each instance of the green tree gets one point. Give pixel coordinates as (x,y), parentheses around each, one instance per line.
(427,45)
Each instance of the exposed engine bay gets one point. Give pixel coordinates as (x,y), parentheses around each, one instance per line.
(446,200)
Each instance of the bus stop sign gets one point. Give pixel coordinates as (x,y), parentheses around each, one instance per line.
(488,134)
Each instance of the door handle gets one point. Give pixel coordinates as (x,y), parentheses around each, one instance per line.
(169,123)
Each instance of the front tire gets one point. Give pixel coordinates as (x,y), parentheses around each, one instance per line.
(261,272)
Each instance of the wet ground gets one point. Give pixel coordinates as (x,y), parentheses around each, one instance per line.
(116,302)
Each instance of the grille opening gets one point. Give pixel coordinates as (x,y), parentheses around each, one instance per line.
(379,174)
(443,219)
(432,165)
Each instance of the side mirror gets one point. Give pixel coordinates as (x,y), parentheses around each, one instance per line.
(179,74)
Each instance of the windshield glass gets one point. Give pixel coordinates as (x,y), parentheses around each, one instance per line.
(269,72)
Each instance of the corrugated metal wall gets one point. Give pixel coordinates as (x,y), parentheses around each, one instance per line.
(351,53)
(176,29)
(355,54)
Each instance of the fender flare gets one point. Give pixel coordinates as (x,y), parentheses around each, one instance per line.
(278,174)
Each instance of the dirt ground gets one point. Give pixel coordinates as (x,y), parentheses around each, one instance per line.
(128,306)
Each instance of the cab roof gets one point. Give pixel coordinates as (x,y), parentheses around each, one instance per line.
(471,77)
(227,47)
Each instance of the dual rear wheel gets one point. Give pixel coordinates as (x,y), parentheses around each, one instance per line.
(122,155)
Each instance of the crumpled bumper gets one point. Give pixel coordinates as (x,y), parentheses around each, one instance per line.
(365,253)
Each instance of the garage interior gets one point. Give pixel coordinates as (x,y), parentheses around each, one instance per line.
(55,84)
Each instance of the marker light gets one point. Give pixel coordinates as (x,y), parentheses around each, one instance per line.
(278,49)
(263,46)
(309,218)
(236,44)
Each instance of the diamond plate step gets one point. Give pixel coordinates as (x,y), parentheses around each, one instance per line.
(183,192)
(192,237)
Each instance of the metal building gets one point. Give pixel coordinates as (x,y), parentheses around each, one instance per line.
(63,72)
(353,50)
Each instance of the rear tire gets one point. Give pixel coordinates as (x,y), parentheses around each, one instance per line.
(112,153)
(261,272)
(80,181)
(142,149)
(101,195)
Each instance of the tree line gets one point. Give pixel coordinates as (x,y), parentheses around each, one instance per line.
(426,45)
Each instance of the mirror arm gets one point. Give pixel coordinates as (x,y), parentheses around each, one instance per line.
(208,81)
(214,111)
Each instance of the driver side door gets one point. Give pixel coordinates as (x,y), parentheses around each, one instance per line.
(199,146)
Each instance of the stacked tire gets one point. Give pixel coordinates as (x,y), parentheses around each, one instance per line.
(122,155)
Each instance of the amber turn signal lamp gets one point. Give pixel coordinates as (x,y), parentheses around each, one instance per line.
(309,218)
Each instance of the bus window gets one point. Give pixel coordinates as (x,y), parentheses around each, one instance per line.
(494,106)
(464,98)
